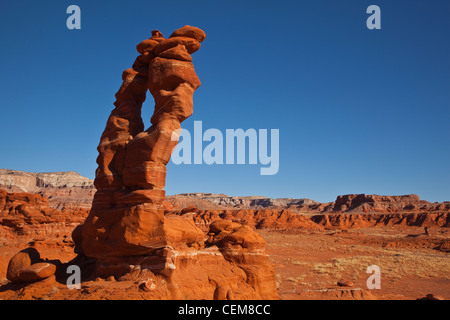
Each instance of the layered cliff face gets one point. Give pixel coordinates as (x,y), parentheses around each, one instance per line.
(404,219)
(351,203)
(287,220)
(259,219)
(211,201)
(65,190)
(69,191)
(29,217)
(376,203)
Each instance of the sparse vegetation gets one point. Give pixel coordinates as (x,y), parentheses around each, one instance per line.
(316,262)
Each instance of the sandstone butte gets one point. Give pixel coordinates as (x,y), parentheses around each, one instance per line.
(127,234)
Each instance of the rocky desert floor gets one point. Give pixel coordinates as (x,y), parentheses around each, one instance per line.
(308,264)
(312,246)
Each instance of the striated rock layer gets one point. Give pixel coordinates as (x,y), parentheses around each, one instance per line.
(70,191)
(126,230)
(285,219)
(212,201)
(29,217)
(375,203)
(65,190)
(350,203)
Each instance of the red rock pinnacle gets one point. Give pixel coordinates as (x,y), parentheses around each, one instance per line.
(131,172)
(126,231)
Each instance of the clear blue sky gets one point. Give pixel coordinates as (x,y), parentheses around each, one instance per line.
(359,111)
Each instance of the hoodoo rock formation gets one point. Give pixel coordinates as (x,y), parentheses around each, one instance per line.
(126,231)
(127,208)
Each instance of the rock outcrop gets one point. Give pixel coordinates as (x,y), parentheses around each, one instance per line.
(20,261)
(212,201)
(27,266)
(127,208)
(70,191)
(126,230)
(65,190)
(29,217)
(351,203)
(285,219)
(376,203)
(358,220)
(259,219)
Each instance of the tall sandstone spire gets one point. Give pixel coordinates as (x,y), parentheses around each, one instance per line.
(127,231)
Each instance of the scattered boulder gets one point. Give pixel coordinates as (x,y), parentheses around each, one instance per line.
(22,260)
(345,283)
(37,271)
(189,209)
(147,286)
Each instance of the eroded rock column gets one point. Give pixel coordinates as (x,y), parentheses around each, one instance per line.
(127,216)
(126,232)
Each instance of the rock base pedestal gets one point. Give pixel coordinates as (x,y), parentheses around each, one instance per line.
(227,262)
